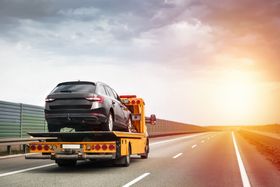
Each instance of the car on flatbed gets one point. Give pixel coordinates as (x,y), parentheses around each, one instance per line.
(86,106)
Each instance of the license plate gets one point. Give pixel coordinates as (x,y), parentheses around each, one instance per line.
(71,146)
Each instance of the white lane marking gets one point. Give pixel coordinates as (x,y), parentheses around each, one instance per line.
(175,139)
(202,141)
(136,180)
(176,156)
(16,155)
(194,146)
(24,170)
(244,176)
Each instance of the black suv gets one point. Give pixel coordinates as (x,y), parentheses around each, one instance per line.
(86,106)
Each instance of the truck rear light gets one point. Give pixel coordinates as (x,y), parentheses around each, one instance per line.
(53,147)
(33,147)
(104,147)
(39,147)
(99,99)
(92,147)
(88,147)
(138,102)
(46,147)
(111,147)
(97,147)
(133,102)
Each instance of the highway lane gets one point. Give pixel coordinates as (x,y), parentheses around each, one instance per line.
(260,170)
(186,160)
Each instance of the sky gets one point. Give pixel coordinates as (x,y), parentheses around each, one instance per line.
(193,61)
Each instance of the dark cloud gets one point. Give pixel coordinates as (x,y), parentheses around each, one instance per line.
(127,18)
(245,28)
(42,10)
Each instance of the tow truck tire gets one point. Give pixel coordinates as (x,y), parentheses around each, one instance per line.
(66,163)
(147,150)
(124,161)
(109,125)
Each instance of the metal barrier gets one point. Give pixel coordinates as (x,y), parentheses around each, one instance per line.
(17,119)
(166,127)
(9,142)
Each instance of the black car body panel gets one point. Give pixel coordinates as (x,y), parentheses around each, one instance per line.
(84,106)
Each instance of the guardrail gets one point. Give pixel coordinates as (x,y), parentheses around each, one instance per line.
(166,127)
(163,128)
(16,119)
(9,142)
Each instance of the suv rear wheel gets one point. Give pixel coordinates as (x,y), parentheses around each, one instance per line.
(108,126)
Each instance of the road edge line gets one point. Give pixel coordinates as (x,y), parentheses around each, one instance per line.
(244,176)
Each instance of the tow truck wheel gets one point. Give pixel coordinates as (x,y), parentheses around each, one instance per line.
(66,163)
(124,161)
(146,154)
(108,126)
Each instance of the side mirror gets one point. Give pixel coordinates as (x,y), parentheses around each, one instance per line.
(153,119)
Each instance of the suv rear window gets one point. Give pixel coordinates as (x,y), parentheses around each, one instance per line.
(69,88)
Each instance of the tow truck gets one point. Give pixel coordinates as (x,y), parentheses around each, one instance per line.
(68,147)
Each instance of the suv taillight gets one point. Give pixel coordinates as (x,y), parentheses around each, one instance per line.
(100,99)
(49,99)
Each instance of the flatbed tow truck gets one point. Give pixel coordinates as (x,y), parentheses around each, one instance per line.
(68,147)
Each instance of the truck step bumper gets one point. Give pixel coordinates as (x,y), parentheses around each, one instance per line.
(82,157)
(70,157)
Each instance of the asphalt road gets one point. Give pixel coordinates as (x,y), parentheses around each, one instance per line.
(208,159)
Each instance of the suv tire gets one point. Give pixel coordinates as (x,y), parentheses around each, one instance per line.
(109,125)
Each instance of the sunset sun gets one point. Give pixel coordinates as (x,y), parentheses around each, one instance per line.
(237,93)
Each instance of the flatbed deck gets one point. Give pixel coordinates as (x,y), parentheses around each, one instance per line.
(92,134)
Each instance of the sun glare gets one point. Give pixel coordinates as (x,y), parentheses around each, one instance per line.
(237,94)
